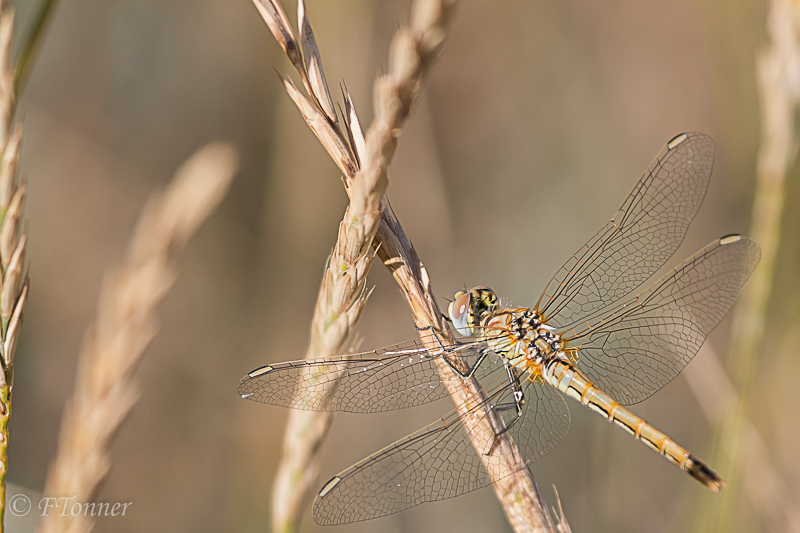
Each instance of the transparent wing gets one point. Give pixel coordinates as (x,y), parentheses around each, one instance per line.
(644,233)
(633,349)
(395,377)
(440,461)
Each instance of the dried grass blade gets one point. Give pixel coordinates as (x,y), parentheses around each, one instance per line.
(562,526)
(6,38)
(273,14)
(354,126)
(10,291)
(8,167)
(323,129)
(105,390)
(9,232)
(318,85)
(14,325)
(13,297)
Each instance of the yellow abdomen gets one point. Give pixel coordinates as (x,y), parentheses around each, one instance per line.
(563,375)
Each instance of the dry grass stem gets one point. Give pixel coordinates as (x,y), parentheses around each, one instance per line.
(518,493)
(326,132)
(354,132)
(13,278)
(562,526)
(777,70)
(14,282)
(273,14)
(342,297)
(313,64)
(365,164)
(8,166)
(105,390)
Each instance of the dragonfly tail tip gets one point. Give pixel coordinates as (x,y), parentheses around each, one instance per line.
(702,473)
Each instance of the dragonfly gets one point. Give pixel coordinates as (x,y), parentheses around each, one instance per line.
(594,336)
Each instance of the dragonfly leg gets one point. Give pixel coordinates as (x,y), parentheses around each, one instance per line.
(468,374)
(519,401)
(465,375)
(435,336)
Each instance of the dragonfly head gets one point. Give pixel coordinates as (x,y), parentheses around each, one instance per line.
(471,308)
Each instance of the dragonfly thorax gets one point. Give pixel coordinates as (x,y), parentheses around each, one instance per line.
(520,336)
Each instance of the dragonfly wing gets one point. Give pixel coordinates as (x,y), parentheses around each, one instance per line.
(440,461)
(544,423)
(634,349)
(395,377)
(641,237)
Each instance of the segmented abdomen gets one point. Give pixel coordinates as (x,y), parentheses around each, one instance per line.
(564,376)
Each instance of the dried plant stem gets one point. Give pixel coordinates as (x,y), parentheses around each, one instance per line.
(14,293)
(105,390)
(5,402)
(777,68)
(562,526)
(13,280)
(518,493)
(364,162)
(342,295)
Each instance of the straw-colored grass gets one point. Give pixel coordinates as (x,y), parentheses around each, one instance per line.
(13,279)
(105,390)
(364,161)
(14,292)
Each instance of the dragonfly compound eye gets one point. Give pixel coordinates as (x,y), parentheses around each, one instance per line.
(459,311)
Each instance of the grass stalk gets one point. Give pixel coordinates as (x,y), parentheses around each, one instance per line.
(776,70)
(341,299)
(14,292)
(364,161)
(105,390)
(13,279)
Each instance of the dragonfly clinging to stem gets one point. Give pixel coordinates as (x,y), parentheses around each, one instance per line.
(587,338)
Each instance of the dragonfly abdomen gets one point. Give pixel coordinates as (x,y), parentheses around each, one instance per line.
(569,380)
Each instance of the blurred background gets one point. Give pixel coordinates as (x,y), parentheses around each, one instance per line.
(533,127)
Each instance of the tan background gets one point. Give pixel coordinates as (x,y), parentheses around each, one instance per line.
(534,125)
